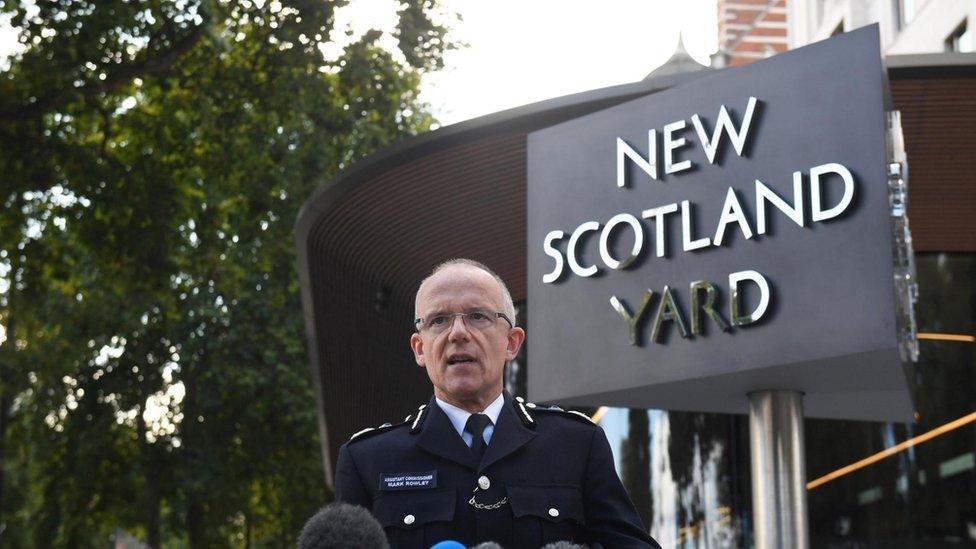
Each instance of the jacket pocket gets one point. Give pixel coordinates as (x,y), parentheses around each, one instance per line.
(412,517)
(547,512)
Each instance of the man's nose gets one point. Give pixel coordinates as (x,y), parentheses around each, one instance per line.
(458,329)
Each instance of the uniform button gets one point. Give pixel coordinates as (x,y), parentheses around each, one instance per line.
(484,483)
(519,399)
(408,520)
(531,405)
(553,512)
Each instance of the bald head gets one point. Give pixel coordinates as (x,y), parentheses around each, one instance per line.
(508,306)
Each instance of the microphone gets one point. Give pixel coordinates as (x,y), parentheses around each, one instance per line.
(448,544)
(487,545)
(563,545)
(342,526)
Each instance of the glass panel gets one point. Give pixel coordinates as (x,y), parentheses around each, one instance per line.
(924,496)
(684,473)
(906,12)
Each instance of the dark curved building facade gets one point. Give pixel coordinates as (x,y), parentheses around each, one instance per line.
(367,238)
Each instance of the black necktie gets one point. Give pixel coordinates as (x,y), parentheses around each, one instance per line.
(476,426)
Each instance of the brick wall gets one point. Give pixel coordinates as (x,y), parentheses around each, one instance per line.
(749,30)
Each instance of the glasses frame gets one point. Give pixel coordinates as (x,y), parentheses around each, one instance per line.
(418,322)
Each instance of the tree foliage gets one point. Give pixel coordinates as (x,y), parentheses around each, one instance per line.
(154,157)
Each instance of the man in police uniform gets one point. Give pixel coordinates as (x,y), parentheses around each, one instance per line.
(474,464)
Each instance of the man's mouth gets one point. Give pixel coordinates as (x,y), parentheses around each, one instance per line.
(460,358)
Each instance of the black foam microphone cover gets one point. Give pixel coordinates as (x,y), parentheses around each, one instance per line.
(342,526)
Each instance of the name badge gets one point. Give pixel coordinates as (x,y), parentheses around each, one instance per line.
(408,481)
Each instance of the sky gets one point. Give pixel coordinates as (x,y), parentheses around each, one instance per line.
(523,51)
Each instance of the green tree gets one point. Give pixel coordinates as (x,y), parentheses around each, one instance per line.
(155,155)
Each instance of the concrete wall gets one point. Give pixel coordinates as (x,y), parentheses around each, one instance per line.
(933,21)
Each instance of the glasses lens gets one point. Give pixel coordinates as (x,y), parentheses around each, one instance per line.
(478,319)
(437,323)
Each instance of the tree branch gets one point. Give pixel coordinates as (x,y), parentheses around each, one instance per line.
(123,74)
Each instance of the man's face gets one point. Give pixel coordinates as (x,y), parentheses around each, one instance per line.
(464,364)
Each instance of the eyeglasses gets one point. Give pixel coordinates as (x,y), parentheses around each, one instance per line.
(476,319)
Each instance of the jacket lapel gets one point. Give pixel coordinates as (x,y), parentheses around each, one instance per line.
(439,438)
(509,435)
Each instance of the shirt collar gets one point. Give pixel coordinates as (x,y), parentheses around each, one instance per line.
(459,417)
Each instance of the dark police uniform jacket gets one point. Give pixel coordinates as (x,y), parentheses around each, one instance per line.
(547,475)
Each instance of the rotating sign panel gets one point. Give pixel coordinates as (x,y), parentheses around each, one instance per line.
(729,235)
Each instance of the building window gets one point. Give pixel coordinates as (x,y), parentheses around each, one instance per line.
(904,12)
(961,39)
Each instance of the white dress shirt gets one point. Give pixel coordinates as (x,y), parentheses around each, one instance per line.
(459,418)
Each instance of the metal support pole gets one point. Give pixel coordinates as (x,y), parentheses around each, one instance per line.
(779,494)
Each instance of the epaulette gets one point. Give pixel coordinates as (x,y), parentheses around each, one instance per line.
(370,431)
(578,416)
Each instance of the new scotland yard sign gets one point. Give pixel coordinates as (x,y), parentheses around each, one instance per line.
(729,235)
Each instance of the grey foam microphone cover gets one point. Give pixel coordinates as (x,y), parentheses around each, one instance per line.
(342,526)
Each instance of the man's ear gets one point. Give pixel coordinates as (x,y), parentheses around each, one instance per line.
(417,344)
(515,338)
